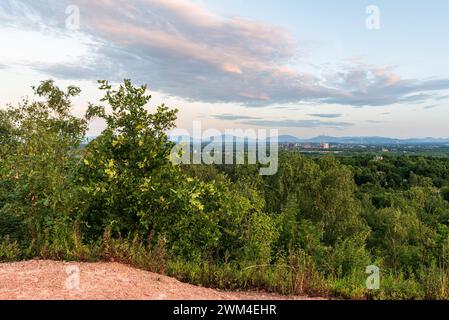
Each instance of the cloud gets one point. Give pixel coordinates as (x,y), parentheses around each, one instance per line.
(256,121)
(297,123)
(365,85)
(375,121)
(326,115)
(430,106)
(233,117)
(443,97)
(33,15)
(182,49)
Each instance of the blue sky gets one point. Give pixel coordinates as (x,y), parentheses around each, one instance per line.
(412,32)
(304,67)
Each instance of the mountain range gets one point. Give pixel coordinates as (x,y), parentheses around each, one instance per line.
(371,140)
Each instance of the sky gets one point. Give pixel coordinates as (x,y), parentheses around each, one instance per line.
(306,68)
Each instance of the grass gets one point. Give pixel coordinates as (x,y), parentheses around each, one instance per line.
(291,275)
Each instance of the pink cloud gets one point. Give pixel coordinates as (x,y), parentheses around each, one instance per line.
(183,49)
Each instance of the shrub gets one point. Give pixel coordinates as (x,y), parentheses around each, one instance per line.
(9,250)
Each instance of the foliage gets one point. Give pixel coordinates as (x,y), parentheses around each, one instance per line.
(39,163)
(312,228)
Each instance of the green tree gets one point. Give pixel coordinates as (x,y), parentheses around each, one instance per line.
(128,178)
(38,164)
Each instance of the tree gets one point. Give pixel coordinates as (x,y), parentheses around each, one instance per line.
(38,163)
(127,174)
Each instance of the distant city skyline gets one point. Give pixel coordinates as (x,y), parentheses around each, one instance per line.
(352,68)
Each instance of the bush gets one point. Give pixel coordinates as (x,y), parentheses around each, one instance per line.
(9,250)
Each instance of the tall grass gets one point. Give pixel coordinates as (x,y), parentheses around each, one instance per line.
(290,274)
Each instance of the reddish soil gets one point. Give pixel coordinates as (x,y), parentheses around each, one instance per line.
(51,280)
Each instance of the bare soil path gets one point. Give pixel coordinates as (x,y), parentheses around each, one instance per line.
(51,280)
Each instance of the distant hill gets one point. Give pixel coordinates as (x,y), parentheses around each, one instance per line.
(374,140)
(371,140)
(363,140)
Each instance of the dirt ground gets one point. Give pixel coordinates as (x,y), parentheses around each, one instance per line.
(50,280)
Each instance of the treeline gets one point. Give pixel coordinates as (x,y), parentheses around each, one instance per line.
(313,228)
